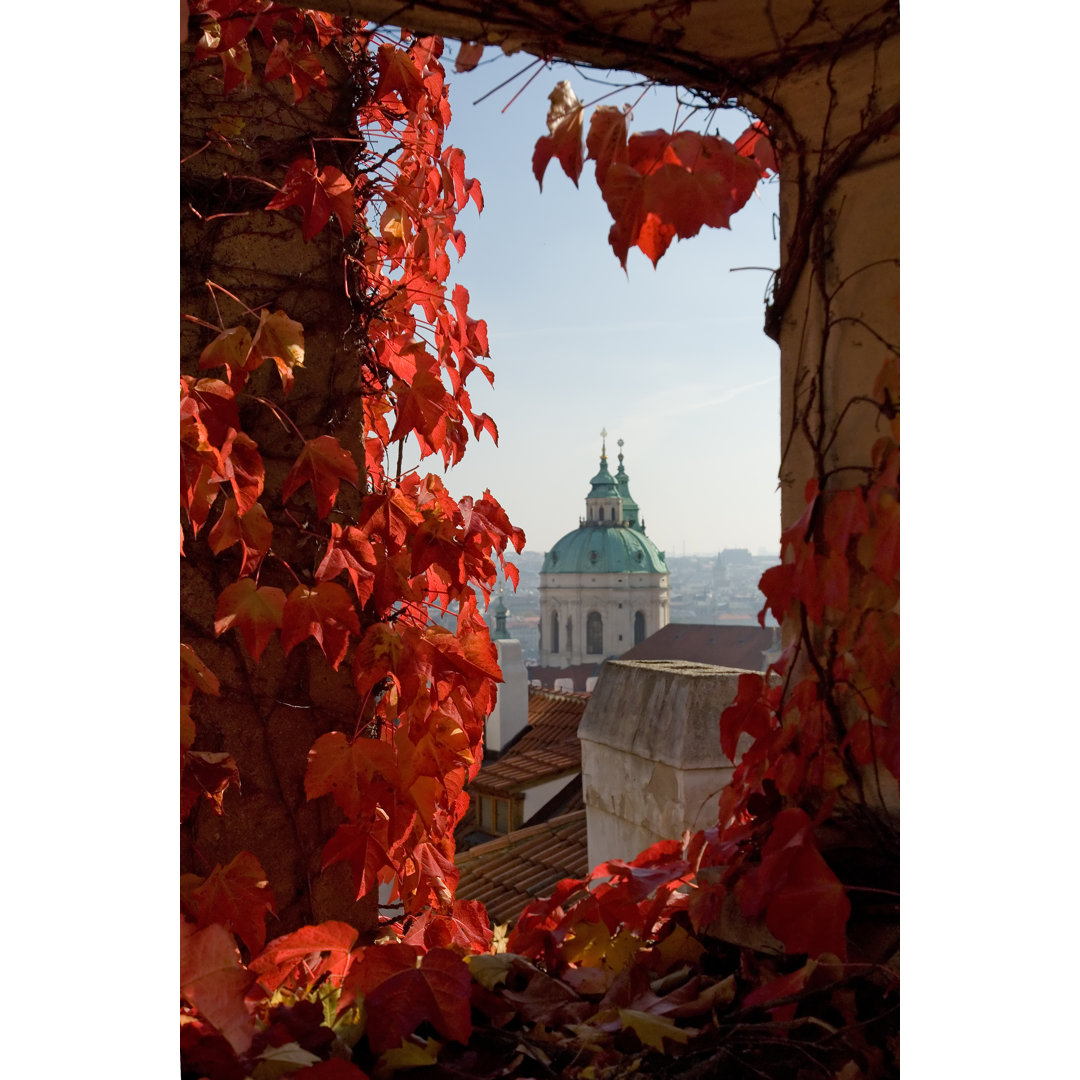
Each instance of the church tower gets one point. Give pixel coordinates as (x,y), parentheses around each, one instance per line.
(604,586)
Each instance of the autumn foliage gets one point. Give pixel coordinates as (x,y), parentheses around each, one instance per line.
(658,185)
(317,555)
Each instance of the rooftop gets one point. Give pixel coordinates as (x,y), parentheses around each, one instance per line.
(724,646)
(505,874)
(548,748)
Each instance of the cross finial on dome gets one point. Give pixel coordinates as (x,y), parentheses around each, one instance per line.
(603,445)
(620,452)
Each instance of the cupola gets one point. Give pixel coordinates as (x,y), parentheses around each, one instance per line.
(603,504)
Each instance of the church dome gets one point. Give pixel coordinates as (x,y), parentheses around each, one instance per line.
(604,549)
(610,538)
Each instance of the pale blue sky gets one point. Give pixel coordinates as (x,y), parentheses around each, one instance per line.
(673,360)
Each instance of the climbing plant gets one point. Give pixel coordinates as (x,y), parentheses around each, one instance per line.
(296,564)
(329,724)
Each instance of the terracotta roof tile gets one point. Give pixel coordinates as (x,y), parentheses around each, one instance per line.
(507,873)
(547,749)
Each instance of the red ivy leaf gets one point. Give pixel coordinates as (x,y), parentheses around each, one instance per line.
(357,845)
(756,143)
(284,954)
(327,27)
(195,674)
(323,463)
(215,404)
(777,585)
(468,56)
(434,875)
(325,613)
(747,714)
(437,992)
(237,896)
(672,186)
(398,76)
(244,470)
(205,773)
(349,550)
(253,531)
(379,962)
(229,350)
(319,193)
(345,770)
(845,516)
(785,986)
(214,980)
(423,408)
(565,121)
(466,926)
(377,655)
(255,613)
(606,141)
(299,64)
(805,904)
(280,339)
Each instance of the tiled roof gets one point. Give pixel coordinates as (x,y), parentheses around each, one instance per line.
(724,646)
(507,873)
(548,748)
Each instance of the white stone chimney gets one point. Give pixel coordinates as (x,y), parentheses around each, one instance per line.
(651,763)
(511,712)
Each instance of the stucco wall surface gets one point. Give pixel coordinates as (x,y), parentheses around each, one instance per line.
(650,752)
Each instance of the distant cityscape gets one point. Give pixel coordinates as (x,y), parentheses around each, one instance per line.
(718,590)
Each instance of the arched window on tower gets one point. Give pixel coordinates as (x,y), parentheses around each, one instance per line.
(639,627)
(594,633)
(570,636)
(554,631)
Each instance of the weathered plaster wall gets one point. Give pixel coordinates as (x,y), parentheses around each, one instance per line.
(843,317)
(650,753)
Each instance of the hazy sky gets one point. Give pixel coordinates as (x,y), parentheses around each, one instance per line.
(673,360)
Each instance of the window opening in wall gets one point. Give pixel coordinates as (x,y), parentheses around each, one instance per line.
(554,631)
(639,627)
(500,815)
(594,633)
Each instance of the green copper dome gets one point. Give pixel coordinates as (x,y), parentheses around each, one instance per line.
(604,549)
(609,540)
